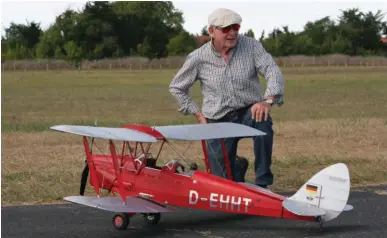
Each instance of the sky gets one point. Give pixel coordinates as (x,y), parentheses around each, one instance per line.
(257,15)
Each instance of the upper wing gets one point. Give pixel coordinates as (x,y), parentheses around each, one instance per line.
(174,132)
(207,131)
(115,204)
(106,133)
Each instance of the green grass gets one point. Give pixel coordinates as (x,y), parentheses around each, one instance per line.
(33,101)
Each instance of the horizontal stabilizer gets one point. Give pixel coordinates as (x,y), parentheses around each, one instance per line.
(115,204)
(347,208)
(207,131)
(109,133)
(302,209)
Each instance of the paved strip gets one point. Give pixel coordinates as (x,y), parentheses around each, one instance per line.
(368,219)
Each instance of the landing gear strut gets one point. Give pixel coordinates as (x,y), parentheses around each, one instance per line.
(152,218)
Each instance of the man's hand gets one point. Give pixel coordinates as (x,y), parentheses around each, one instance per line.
(201,118)
(260,111)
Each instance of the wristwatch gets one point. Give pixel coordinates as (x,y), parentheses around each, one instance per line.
(269,101)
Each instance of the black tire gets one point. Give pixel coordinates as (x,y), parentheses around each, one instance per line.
(152,218)
(120,221)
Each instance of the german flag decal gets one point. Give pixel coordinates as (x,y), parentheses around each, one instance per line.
(311,188)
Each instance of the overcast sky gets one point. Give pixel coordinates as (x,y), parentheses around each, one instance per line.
(258,15)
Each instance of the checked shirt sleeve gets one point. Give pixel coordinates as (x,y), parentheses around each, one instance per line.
(266,66)
(181,83)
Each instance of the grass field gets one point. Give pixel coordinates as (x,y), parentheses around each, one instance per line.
(330,115)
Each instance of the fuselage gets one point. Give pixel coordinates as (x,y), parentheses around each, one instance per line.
(192,189)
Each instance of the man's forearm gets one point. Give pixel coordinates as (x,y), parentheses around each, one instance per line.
(187,105)
(183,80)
(266,66)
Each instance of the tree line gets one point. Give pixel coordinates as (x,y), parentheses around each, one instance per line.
(155,30)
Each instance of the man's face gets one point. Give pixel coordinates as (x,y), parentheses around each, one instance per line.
(226,36)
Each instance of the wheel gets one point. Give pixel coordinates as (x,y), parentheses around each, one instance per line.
(152,218)
(121,221)
(320,222)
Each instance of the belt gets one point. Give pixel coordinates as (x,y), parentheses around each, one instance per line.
(230,115)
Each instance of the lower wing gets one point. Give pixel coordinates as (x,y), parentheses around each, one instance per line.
(115,204)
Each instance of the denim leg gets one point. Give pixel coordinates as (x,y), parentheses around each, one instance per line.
(215,156)
(263,147)
(215,153)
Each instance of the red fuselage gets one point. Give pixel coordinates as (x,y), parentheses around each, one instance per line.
(194,189)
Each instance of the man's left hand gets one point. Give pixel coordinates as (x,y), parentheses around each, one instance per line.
(260,111)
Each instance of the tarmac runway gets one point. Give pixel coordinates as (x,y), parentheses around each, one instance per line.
(368,219)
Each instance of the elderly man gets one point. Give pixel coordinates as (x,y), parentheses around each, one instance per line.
(227,68)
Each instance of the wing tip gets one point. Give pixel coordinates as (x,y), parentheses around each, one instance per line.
(56,127)
(348,208)
(103,132)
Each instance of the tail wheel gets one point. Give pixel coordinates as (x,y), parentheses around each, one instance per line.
(152,218)
(121,221)
(320,222)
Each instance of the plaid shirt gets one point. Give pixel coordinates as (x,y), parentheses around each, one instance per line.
(227,86)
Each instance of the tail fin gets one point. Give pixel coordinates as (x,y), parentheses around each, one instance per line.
(327,191)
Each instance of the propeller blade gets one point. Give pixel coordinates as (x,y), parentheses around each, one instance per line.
(85,174)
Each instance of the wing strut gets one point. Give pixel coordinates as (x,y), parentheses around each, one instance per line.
(117,170)
(94,177)
(226,160)
(205,152)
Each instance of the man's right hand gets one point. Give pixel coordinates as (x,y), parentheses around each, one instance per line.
(201,118)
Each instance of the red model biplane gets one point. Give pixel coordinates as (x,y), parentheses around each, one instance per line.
(147,189)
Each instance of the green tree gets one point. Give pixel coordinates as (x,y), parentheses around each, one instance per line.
(181,44)
(262,36)
(158,21)
(20,40)
(250,33)
(50,40)
(155,29)
(73,53)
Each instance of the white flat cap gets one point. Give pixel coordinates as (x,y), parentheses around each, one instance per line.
(223,17)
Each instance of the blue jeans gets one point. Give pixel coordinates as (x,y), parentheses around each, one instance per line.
(263,146)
